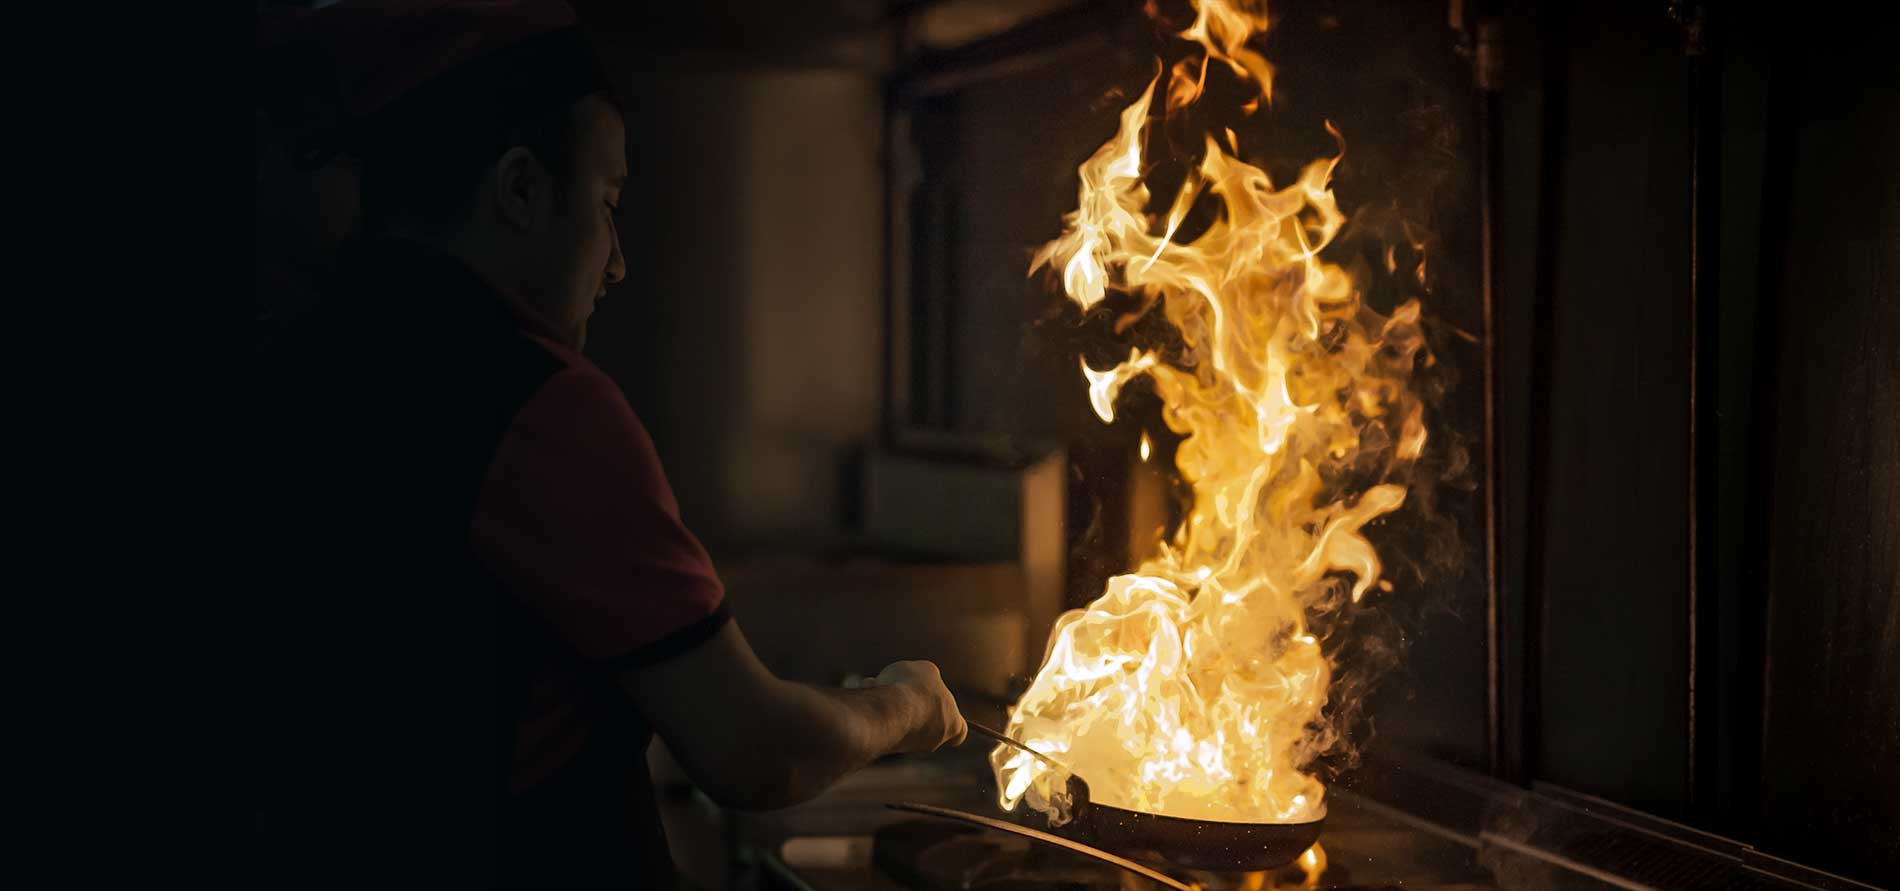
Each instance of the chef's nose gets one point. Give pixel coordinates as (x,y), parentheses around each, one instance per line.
(616,263)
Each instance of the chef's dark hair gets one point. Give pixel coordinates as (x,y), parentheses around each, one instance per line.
(424,155)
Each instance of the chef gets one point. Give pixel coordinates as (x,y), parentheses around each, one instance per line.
(480,603)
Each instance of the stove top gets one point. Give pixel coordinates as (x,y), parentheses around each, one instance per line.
(939,856)
(849,841)
(932,855)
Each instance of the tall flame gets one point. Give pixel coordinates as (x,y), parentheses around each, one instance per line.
(1195,686)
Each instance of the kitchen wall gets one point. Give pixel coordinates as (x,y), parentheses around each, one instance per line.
(1755,697)
(1826,545)
(1613,456)
(748,334)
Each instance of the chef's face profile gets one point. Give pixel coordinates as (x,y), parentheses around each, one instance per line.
(574,238)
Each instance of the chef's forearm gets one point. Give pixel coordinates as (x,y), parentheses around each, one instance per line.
(752,740)
(823,734)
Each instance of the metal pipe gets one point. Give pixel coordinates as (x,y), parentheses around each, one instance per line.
(1489,76)
(1703,107)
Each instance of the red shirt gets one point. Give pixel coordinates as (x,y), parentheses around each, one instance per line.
(467,536)
(577,520)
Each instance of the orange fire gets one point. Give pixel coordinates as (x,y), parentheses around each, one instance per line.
(1194,687)
(1312,865)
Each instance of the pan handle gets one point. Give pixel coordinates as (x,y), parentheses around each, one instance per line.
(1005,739)
(1046,838)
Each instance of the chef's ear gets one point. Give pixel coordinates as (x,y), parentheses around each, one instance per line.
(522,186)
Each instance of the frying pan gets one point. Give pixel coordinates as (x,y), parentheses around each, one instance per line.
(1207,845)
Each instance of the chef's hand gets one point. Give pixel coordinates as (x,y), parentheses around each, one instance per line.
(938,721)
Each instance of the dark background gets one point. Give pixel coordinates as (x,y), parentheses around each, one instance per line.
(829,220)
